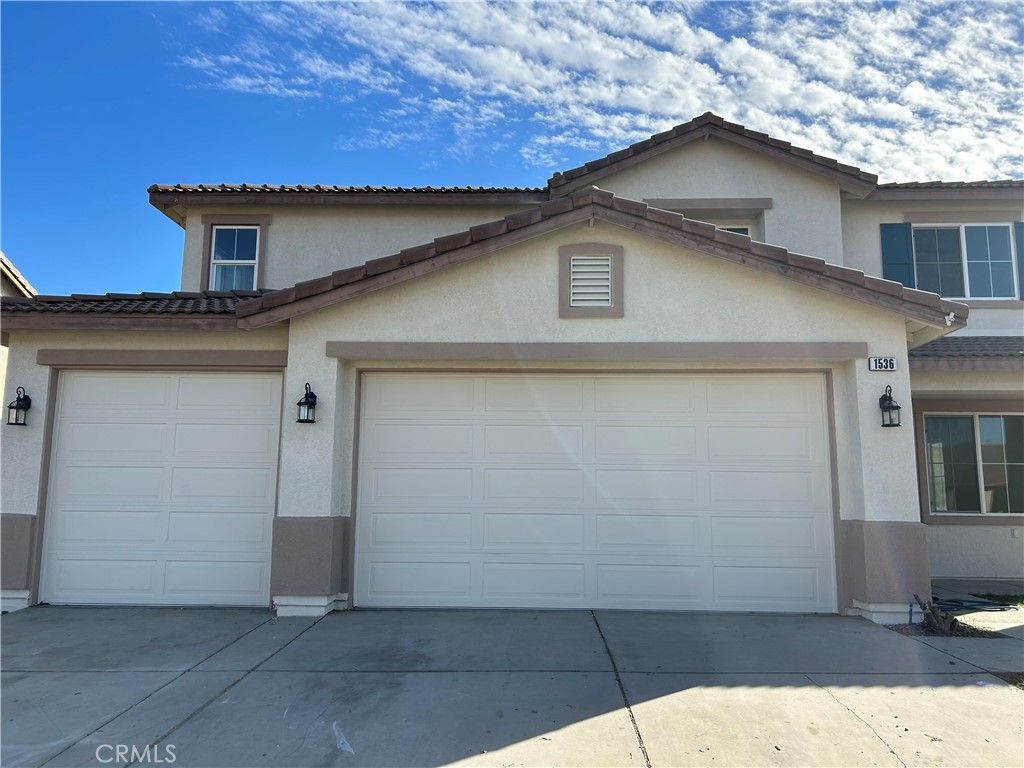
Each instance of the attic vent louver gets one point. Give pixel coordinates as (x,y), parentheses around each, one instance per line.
(590,281)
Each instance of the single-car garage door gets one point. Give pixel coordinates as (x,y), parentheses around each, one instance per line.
(667,491)
(162,489)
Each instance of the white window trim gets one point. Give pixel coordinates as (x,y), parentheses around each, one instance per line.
(214,262)
(962,226)
(979,465)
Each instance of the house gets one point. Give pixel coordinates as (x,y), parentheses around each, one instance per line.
(643,385)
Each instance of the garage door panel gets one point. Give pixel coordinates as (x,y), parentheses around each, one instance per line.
(676,584)
(91,527)
(215,581)
(389,485)
(244,528)
(106,441)
(646,532)
(83,483)
(647,485)
(537,485)
(96,578)
(636,396)
(644,442)
(761,395)
(429,582)
(534,581)
(533,394)
(399,529)
(765,444)
(557,442)
(162,504)
(752,585)
(762,488)
(228,485)
(118,393)
(419,441)
(545,531)
(643,498)
(405,396)
(229,394)
(225,441)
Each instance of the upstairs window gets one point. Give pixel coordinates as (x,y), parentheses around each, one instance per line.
(967,261)
(234,258)
(234,251)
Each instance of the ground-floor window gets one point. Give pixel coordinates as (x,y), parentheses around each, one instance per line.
(975,463)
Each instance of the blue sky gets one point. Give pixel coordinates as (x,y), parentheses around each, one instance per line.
(100,100)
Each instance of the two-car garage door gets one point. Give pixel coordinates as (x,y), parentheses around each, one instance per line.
(671,491)
(162,489)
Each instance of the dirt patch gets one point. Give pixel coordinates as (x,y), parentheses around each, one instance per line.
(960,630)
(1013,678)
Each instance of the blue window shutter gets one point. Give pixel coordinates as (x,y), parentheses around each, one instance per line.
(898,253)
(1018,242)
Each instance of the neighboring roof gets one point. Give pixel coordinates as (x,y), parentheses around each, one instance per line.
(1001,189)
(248,189)
(589,204)
(970,353)
(18,280)
(849,177)
(207,310)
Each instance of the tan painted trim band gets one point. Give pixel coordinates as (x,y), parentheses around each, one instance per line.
(948,193)
(210,220)
(961,217)
(994,303)
(45,321)
(597,351)
(994,364)
(565,256)
(223,359)
(935,407)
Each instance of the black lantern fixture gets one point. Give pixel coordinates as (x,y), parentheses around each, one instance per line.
(307,407)
(890,409)
(16,411)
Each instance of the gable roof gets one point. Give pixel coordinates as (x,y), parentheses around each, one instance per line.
(850,178)
(17,280)
(581,206)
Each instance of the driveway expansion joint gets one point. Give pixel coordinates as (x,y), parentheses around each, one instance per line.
(622,690)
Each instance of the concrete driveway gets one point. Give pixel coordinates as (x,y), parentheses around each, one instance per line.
(225,687)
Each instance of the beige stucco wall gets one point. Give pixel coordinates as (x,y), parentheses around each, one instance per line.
(671,294)
(967,383)
(862,248)
(305,242)
(976,551)
(805,213)
(23,448)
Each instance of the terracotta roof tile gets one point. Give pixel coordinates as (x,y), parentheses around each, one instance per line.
(998,184)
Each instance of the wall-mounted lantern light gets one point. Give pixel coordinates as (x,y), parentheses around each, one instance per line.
(890,409)
(307,407)
(16,410)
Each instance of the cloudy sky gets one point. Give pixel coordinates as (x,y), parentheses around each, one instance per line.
(459,93)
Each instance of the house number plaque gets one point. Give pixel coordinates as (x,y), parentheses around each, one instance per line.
(881,363)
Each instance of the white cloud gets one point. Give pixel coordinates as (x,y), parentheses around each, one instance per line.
(907,90)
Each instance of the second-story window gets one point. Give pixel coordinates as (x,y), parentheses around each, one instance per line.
(233,258)
(965,261)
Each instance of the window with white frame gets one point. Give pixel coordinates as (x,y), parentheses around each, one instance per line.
(233,258)
(975,463)
(965,261)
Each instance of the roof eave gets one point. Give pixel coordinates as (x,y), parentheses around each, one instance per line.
(75,321)
(947,193)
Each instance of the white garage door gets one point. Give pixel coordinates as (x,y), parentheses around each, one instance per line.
(162,489)
(696,492)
